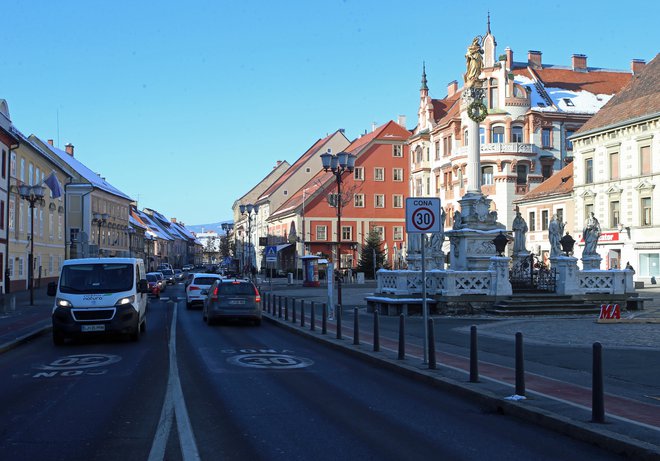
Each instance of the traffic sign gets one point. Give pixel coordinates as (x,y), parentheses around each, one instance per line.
(423,215)
(271,254)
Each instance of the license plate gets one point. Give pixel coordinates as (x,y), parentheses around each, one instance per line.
(86,328)
(236,301)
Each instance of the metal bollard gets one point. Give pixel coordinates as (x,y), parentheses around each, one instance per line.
(338,317)
(302,312)
(597,391)
(286,309)
(432,363)
(474,361)
(402,337)
(279,306)
(293,310)
(520,366)
(312,316)
(324,319)
(376,331)
(356,327)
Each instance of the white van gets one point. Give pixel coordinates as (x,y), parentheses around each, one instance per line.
(99,295)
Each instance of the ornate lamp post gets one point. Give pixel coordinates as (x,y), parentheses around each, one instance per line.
(227,227)
(100,219)
(34,195)
(338,164)
(249,211)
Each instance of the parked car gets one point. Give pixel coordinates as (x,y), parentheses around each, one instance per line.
(199,283)
(164,266)
(154,285)
(232,299)
(99,296)
(169,276)
(162,284)
(187,268)
(178,275)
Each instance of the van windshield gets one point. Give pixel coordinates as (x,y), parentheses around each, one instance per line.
(96,278)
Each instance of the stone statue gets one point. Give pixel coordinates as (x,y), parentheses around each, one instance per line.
(458,220)
(520,229)
(474,62)
(591,234)
(555,232)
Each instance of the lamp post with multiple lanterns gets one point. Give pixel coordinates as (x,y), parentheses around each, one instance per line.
(33,195)
(338,164)
(249,211)
(227,227)
(100,219)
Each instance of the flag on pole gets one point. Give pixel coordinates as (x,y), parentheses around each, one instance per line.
(53,184)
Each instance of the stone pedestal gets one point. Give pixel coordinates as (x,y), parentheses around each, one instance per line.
(591,262)
(499,265)
(567,274)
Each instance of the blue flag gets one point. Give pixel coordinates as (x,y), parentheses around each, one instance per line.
(54,185)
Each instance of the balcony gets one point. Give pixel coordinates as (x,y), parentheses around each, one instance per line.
(500,148)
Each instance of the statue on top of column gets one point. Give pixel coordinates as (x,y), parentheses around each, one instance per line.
(474,62)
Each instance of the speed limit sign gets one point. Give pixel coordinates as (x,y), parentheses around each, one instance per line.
(423,215)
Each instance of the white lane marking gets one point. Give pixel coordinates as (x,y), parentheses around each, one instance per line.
(174,404)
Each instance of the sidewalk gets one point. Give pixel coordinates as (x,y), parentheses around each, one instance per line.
(632,427)
(19,321)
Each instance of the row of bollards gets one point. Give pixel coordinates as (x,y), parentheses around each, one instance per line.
(279,305)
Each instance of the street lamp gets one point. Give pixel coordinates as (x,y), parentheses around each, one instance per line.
(34,195)
(249,210)
(100,219)
(338,165)
(227,227)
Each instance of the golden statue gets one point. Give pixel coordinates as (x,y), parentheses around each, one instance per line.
(474,62)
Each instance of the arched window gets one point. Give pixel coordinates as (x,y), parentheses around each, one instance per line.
(497,134)
(516,133)
(493,100)
(486,175)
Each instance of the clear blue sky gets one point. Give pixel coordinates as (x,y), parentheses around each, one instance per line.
(186,105)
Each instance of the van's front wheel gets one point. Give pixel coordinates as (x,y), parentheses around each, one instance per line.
(135,336)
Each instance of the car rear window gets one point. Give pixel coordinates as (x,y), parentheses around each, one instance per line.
(236,289)
(204,280)
(152,278)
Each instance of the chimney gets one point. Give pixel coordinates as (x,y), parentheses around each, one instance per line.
(636,66)
(509,57)
(50,141)
(69,149)
(373,126)
(579,62)
(401,120)
(277,164)
(452,87)
(534,59)
(173,220)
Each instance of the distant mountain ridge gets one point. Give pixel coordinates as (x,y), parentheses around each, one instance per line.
(217,227)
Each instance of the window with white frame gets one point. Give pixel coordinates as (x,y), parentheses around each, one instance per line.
(358,173)
(51,226)
(647,215)
(516,133)
(397,201)
(51,261)
(358,200)
(486,175)
(645,160)
(532,221)
(346,233)
(12,214)
(321,232)
(397,174)
(20,267)
(497,134)
(379,201)
(588,170)
(397,150)
(545,219)
(12,165)
(379,174)
(397,232)
(380,230)
(59,226)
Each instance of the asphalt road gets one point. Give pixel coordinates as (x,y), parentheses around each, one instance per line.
(240,392)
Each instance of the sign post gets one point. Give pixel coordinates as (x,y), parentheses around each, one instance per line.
(422,217)
(271,257)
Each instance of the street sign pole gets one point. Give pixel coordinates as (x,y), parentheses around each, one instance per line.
(425,307)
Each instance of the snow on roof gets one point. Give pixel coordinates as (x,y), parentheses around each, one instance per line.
(93,178)
(135,223)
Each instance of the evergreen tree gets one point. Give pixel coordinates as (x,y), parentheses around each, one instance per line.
(373,245)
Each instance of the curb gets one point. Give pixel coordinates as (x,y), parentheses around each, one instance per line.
(579,430)
(9,345)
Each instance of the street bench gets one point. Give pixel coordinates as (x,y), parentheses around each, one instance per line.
(636,302)
(397,306)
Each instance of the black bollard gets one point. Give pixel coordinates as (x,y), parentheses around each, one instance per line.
(376,331)
(520,366)
(293,311)
(402,337)
(338,320)
(286,309)
(474,361)
(312,319)
(279,306)
(324,319)
(356,327)
(432,364)
(597,391)
(269,298)
(302,312)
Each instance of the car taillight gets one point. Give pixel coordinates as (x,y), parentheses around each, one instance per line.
(257,297)
(193,287)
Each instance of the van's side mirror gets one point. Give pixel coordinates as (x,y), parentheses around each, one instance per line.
(52,289)
(143,286)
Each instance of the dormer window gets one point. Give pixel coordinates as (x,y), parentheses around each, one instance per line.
(568,102)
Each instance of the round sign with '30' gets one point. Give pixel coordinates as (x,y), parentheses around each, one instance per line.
(422,215)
